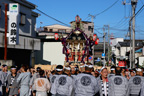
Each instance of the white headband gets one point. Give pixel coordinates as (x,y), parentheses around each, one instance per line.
(89,66)
(139,70)
(13,68)
(59,69)
(102,68)
(134,72)
(112,69)
(67,68)
(82,66)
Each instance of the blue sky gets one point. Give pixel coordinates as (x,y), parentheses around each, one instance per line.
(66,10)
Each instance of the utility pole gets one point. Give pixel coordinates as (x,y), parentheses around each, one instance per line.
(104,45)
(130,45)
(92,17)
(133,3)
(6,24)
(108,43)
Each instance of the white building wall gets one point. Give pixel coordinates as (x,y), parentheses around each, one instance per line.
(52,51)
(122,52)
(141,61)
(113,42)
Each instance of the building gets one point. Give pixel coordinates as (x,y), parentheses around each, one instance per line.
(51,49)
(22,53)
(88,27)
(121,50)
(57,28)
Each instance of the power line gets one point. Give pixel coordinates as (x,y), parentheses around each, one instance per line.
(107,8)
(138,12)
(98,31)
(103,10)
(52,17)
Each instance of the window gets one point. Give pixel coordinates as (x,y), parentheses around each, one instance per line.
(22,19)
(89,28)
(50,30)
(45,29)
(62,30)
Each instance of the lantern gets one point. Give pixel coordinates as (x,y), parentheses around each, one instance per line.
(83,51)
(68,51)
(56,36)
(94,37)
(97,41)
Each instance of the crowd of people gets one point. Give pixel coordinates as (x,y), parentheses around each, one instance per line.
(71,81)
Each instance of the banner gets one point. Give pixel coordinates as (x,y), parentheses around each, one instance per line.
(13,23)
(122,63)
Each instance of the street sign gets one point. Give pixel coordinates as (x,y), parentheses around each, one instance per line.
(103,55)
(98,59)
(13,23)
(90,58)
(122,63)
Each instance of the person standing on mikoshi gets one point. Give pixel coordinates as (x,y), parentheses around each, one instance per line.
(103,82)
(135,83)
(12,88)
(23,81)
(42,85)
(118,85)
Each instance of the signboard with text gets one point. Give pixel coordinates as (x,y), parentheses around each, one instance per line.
(122,63)
(13,23)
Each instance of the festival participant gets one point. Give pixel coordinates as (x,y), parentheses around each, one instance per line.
(5,74)
(32,70)
(135,83)
(42,85)
(127,74)
(59,71)
(112,73)
(33,78)
(82,68)
(93,73)
(86,84)
(23,81)
(73,72)
(118,85)
(2,80)
(64,83)
(132,72)
(12,88)
(103,82)
(96,73)
(123,71)
(74,75)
